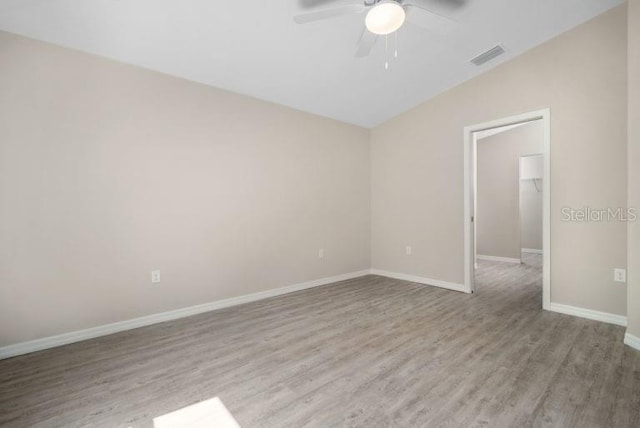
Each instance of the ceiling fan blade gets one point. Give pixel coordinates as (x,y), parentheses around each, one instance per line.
(421,17)
(312,4)
(439,4)
(329,13)
(367,40)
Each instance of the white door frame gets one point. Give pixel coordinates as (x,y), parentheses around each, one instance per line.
(469,196)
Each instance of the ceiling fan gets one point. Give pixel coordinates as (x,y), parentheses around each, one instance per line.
(384,17)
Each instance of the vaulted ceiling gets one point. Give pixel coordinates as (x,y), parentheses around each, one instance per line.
(253,47)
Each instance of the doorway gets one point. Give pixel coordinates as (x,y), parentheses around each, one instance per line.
(472,135)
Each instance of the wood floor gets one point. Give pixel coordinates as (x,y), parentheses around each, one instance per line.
(369,352)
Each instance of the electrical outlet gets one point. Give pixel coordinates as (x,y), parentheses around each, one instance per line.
(408,250)
(620,275)
(155,276)
(321,253)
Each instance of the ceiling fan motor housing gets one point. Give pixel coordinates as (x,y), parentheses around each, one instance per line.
(373,2)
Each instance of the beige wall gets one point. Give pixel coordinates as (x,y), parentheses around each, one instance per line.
(109,171)
(531,209)
(498,216)
(633,279)
(417,163)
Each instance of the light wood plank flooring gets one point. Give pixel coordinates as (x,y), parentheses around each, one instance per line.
(369,352)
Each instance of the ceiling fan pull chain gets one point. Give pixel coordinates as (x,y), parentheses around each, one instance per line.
(386,51)
(395,40)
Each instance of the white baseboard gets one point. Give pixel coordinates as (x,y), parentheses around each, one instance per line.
(531,250)
(420,280)
(588,313)
(103,330)
(632,341)
(498,259)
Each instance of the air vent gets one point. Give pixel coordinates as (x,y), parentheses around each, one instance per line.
(488,55)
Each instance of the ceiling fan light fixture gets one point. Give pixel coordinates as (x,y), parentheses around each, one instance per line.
(385,17)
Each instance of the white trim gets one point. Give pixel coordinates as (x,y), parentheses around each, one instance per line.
(421,280)
(498,259)
(103,330)
(531,251)
(469,175)
(546,211)
(469,209)
(633,341)
(588,313)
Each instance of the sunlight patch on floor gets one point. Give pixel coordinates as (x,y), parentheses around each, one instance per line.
(206,414)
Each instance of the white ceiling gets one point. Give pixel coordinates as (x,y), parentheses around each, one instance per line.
(253,47)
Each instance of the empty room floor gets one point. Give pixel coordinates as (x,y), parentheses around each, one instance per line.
(370,352)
